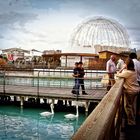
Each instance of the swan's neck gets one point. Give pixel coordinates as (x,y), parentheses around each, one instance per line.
(52,111)
(77,112)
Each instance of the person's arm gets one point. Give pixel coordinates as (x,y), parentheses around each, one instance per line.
(124,67)
(107,67)
(118,65)
(123,74)
(75,73)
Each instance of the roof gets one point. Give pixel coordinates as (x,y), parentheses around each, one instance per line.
(109,52)
(72,54)
(15,49)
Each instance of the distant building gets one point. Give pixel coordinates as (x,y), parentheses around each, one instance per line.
(51,52)
(99,48)
(14,53)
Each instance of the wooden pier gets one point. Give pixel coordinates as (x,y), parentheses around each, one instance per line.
(94,95)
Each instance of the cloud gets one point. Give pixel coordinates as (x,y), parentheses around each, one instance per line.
(126,12)
(29,32)
(136,28)
(14,17)
(50,22)
(16,12)
(1,36)
(14,5)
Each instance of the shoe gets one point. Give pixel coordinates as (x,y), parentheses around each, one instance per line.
(76,94)
(85,93)
(73,92)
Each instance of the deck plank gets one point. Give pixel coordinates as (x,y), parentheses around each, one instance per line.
(56,93)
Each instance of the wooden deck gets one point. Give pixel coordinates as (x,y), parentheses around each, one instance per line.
(94,95)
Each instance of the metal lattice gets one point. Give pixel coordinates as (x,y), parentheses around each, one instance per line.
(100,31)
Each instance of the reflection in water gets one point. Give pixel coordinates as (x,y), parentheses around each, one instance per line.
(27,124)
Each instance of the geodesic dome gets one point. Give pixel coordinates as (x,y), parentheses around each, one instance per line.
(100,31)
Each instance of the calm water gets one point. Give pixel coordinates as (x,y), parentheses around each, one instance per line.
(27,124)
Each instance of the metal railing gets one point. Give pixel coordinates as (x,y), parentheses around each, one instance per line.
(51,78)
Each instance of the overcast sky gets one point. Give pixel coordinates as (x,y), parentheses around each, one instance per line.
(49,24)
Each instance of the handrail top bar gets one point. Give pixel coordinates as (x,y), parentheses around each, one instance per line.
(56,70)
(54,77)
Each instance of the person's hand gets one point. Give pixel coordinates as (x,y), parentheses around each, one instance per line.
(124,67)
(73,75)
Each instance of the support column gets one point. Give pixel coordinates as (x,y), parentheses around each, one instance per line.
(81,59)
(15,98)
(21,101)
(66,61)
(86,107)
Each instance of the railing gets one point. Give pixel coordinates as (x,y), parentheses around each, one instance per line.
(51,78)
(104,122)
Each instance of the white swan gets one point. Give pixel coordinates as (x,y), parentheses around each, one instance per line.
(46,113)
(73,116)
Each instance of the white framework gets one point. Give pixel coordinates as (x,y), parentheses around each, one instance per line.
(100,31)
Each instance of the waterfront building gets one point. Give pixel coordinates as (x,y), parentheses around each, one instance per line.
(14,53)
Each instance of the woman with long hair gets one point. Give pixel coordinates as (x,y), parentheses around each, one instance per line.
(131,89)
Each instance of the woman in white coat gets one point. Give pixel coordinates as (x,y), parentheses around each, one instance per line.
(131,89)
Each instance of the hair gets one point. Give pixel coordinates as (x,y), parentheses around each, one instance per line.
(113,57)
(130,64)
(133,55)
(76,63)
(80,62)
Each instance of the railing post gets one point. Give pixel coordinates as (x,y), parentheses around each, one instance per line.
(86,107)
(4,82)
(38,100)
(21,101)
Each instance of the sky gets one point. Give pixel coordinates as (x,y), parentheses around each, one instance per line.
(49,24)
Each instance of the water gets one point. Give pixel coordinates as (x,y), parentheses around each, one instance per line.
(27,124)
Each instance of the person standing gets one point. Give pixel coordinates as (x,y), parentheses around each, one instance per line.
(120,64)
(75,89)
(133,56)
(111,70)
(131,89)
(81,77)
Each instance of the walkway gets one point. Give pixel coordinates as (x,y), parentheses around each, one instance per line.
(62,93)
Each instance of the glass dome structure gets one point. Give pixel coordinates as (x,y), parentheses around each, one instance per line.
(100,31)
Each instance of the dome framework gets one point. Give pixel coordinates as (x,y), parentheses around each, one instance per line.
(100,31)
